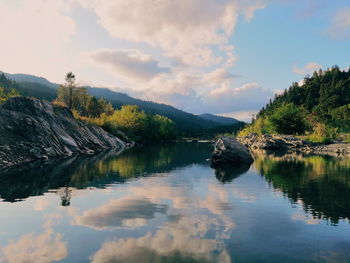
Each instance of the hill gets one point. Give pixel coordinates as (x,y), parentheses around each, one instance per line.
(187,123)
(218,119)
(30,79)
(320,106)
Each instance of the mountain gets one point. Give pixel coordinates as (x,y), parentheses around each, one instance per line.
(187,123)
(37,90)
(218,119)
(30,79)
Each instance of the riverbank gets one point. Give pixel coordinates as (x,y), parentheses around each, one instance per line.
(289,143)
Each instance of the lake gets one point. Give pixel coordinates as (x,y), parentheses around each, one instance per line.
(165,204)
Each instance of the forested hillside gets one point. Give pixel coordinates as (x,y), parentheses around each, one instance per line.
(8,88)
(218,119)
(187,124)
(320,107)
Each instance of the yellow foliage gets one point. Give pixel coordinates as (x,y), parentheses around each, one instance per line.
(322,134)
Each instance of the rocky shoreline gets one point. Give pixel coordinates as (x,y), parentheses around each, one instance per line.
(240,151)
(289,143)
(32,129)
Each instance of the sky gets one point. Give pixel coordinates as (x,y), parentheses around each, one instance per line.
(226,57)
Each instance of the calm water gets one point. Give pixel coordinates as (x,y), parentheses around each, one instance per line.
(165,204)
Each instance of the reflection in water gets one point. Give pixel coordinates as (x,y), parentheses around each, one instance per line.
(120,212)
(97,170)
(165,204)
(320,183)
(187,235)
(39,248)
(227,174)
(181,241)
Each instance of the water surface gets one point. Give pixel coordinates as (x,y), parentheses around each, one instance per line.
(165,204)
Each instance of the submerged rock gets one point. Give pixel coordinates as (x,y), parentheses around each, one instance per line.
(229,152)
(32,129)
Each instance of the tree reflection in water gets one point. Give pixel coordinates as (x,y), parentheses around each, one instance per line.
(98,170)
(320,183)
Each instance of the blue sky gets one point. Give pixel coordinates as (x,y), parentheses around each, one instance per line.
(283,36)
(220,56)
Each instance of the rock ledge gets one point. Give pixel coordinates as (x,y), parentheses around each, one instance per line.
(32,129)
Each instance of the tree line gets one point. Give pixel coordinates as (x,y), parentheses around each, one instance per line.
(318,108)
(128,122)
(8,88)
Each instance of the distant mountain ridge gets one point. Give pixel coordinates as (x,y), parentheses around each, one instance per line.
(29,85)
(30,78)
(219,119)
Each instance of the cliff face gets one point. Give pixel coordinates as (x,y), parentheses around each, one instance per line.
(32,129)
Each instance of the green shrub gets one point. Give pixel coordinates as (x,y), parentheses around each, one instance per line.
(322,134)
(288,119)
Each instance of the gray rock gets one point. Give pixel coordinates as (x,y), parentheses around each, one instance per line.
(272,142)
(289,143)
(338,148)
(32,129)
(229,152)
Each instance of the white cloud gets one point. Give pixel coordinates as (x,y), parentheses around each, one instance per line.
(309,68)
(219,76)
(250,9)
(248,97)
(340,27)
(195,92)
(183,29)
(131,64)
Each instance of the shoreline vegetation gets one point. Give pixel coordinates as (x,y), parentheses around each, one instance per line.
(316,110)
(129,122)
(311,117)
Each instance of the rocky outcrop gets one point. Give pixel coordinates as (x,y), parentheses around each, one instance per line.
(229,152)
(32,129)
(273,142)
(289,143)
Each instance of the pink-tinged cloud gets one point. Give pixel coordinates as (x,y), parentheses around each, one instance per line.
(309,68)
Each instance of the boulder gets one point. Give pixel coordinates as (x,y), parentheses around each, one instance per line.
(32,129)
(229,152)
